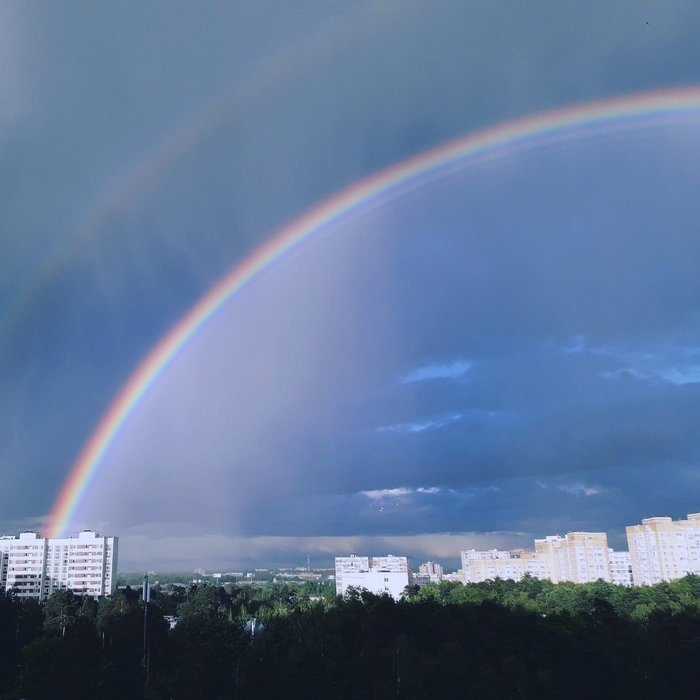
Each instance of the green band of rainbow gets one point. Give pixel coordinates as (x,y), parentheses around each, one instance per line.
(561,122)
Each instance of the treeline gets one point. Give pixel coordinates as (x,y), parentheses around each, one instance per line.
(499,639)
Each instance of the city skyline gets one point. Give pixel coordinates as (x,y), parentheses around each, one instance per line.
(488,347)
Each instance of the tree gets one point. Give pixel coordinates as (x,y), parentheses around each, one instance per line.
(61,612)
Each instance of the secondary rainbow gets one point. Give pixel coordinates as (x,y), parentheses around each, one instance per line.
(497,141)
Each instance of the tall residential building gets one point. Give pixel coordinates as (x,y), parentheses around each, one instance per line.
(662,549)
(35,567)
(26,563)
(581,557)
(85,564)
(379,575)
(5,541)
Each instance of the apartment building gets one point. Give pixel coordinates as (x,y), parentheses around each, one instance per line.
(580,557)
(480,566)
(26,560)
(662,549)
(379,575)
(35,567)
(620,568)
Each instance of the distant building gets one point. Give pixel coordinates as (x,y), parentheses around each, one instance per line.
(491,564)
(379,575)
(662,549)
(35,567)
(454,576)
(434,571)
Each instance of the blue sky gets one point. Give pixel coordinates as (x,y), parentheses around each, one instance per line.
(511,352)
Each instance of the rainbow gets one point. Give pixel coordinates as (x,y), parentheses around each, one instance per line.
(498,141)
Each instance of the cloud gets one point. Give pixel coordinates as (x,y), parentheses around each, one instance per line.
(381,494)
(677,375)
(450,370)
(421,426)
(681,375)
(665,361)
(580,489)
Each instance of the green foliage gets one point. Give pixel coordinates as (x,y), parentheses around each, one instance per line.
(497,639)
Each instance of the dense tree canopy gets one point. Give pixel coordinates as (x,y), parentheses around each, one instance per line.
(499,639)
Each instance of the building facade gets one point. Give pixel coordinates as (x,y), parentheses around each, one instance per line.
(35,567)
(662,549)
(378,575)
(490,564)
(580,557)
(620,568)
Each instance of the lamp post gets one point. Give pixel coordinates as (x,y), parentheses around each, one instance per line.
(146,594)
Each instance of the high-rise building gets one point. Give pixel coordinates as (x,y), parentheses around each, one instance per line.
(26,560)
(379,575)
(35,567)
(581,557)
(5,541)
(662,549)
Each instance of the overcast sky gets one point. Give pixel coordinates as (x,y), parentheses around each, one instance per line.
(511,351)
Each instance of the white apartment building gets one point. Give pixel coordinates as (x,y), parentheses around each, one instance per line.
(662,549)
(5,541)
(26,558)
(35,567)
(379,575)
(490,564)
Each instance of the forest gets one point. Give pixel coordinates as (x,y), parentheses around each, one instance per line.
(498,639)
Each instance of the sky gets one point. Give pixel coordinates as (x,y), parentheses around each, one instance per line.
(508,350)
